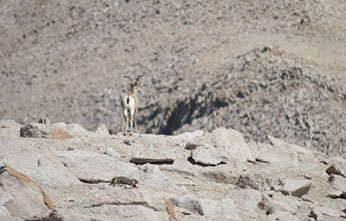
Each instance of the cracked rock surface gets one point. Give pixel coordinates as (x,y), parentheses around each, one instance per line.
(290,182)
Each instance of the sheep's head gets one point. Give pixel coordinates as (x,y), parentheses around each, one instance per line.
(134,82)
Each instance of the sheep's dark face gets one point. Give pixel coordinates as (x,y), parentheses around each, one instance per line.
(134,84)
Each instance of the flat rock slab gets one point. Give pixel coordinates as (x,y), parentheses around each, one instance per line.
(281,144)
(139,161)
(51,131)
(294,187)
(283,215)
(326,213)
(246,199)
(215,209)
(102,131)
(338,186)
(91,167)
(204,155)
(21,197)
(230,141)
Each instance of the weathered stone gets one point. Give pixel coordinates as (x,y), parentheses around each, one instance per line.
(78,130)
(215,209)
(150,175)
(50,171)
(202,193)
(207,156)
(51,131)
(285,203)
(91,167)
(24,198)
(190,146)
(220,209)
(10,218)
(249,181)
(58,133)
(283,216)
(337,169)
(221,174)
(335,194)
(112,153)
(102,131)
(321,213)
(230,141)
(32,131)
(140,161)
(338,186)
(293,187)
(247,200)
(189,136)
(279,143)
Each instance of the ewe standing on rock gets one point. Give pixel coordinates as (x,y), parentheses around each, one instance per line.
(130,104)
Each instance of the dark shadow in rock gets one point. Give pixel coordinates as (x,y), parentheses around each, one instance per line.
(192,161)
(140,161)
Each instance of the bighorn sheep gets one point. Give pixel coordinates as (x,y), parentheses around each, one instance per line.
(130,104)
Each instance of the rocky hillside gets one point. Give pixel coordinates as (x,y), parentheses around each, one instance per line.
(260,67)
(62,172)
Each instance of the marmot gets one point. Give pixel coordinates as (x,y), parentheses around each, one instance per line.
(123,180)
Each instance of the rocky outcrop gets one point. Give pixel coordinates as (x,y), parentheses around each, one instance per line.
(228,178)
(23,198)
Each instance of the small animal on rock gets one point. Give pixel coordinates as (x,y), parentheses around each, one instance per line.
(123,180)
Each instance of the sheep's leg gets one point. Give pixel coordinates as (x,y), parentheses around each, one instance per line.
(135,118)
(126,122)
(131,119)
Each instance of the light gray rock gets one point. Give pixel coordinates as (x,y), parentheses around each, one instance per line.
(223,173)
(338,186)
(213,209)
(9,218)
(112,153)
(286,203)
(102,131)
(220,209)
(3,211)
(52,172)
(92,167)
(121,212)
(279,143)
(247,200)
(293,187)
(150,175)
(321,213)
(201,193)
(283,216)
(230,141)
(249,181)
(78,130)
(207,156)
(23,198)
(189,136)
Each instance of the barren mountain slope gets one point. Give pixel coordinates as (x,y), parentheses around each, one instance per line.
(65,60)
